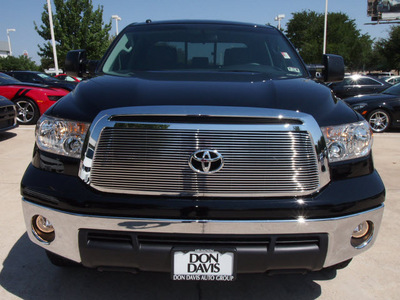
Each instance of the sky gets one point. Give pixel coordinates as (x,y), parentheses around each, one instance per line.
(21,15)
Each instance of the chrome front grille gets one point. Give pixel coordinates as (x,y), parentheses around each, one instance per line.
(150,161)
(151,150)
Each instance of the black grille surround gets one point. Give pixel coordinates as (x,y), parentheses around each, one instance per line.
(7,117)
(152,251)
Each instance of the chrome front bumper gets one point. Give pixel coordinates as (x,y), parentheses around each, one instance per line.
(67,226)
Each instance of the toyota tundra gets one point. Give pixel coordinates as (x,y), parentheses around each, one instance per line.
(204,149)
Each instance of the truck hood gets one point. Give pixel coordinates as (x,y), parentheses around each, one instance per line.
(209,89)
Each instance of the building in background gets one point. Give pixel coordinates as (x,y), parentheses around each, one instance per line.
(4,49)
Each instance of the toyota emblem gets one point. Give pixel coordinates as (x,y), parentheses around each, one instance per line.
(206,161)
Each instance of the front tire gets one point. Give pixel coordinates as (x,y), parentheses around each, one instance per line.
(379,120)
(28,112)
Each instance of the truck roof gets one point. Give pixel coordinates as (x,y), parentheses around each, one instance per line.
(216,22)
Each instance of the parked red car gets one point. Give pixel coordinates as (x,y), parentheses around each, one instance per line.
(32,100)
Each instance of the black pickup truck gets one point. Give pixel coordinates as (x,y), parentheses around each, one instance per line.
(204,149)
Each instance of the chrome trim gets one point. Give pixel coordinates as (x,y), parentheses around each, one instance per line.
(371,233)
(365,244)
(67,226)
(38,238)
(106,119)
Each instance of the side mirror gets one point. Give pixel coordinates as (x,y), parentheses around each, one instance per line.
(316,71)
(76,64)
(333,68)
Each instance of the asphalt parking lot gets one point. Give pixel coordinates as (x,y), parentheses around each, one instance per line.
(25,272)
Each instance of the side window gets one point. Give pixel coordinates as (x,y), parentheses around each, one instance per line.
(68,78)
(368,81)
(18,76)
(349,81)
(34,78)
(24,77)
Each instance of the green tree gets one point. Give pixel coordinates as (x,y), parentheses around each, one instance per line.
(76,26)
(389,49)
(306,31)
(22,62)
(377,60)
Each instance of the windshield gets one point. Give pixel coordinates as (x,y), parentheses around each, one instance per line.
(393,90)
(5,79)
(205,48)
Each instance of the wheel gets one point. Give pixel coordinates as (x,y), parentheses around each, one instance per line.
(379,120)
(60,261)
(28,112)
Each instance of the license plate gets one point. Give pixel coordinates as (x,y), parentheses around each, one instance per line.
(203,265)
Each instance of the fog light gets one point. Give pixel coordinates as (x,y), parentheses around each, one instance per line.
(361,230)
(362,234)
(44,225)
(42,229)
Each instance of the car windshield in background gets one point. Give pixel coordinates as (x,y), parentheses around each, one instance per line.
(204,48)
(394,90)
(46,77)
(5,79)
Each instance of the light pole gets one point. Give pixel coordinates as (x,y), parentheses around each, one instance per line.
(279,18)
(52,36)
(9,41)
(116,18)
(325,26)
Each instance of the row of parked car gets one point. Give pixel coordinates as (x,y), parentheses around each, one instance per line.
(378,100)
(32,93)
(31,99)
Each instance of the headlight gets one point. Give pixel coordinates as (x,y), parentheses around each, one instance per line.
(348,141)
(61,136)
(359,106)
